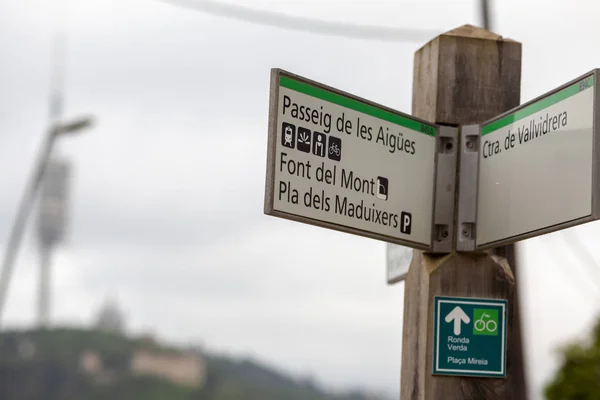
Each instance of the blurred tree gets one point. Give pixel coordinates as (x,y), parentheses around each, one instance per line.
(579,376)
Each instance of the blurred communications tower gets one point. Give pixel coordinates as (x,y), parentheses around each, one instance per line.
(52,221)
(57,128)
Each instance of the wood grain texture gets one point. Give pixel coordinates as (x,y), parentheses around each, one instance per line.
(465,76)
(461,79)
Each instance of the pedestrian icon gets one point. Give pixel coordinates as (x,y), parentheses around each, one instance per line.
(288,136)
(486,322)
(334,147)
(318,145)
(304,139)
(382,188)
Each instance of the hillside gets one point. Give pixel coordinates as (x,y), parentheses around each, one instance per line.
(65,364)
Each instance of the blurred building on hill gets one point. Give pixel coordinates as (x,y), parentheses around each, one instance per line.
(183,369)
(110,318)
(180,368)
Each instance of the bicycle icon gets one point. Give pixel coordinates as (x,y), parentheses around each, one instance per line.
(334,146)
(481,325)
(334,149)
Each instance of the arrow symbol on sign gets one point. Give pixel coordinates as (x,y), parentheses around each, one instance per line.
(457,315)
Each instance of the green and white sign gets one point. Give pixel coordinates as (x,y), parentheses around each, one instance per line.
(538,166)
(469,337)
(341,162)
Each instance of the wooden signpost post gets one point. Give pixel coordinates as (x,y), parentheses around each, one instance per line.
(462,77)
(462,179)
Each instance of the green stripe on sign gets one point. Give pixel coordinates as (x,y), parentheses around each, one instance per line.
(546,102)
(356,105)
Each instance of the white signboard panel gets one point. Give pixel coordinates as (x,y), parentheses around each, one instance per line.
(398,260)
(538,166)
(344,163)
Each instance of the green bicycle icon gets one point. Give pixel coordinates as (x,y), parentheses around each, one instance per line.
(489,326)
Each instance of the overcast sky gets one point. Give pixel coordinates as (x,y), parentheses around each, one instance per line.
(167,200)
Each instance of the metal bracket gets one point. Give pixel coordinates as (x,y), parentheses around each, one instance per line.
(445,187)
(467,188)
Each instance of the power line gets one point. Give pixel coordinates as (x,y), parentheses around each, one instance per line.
(284,21)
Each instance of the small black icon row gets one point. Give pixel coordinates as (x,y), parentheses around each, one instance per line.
(316,143)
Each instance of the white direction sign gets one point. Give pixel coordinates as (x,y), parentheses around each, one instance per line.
(538,166)
(398,260)
(344,163)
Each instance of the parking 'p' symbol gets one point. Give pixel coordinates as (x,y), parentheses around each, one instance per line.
(405,222)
